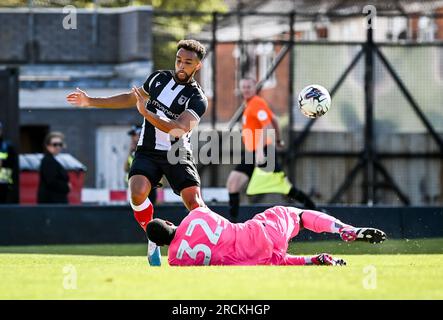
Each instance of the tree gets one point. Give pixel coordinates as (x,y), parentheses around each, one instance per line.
(188,19)
(173,20)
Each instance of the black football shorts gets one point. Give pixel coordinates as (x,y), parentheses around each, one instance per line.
(153,164)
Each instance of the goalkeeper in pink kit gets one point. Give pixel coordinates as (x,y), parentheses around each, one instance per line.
(206,238)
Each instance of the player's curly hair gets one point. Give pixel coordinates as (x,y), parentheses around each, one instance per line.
(194,46)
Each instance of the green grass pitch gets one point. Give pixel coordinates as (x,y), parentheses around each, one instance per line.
(397,269)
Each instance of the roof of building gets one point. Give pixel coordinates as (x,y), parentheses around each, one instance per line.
(337,6)
(31,162)
(308,12)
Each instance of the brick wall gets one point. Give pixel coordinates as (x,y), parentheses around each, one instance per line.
(439,24)
(111,36)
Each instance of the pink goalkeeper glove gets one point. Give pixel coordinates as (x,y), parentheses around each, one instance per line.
(325,259)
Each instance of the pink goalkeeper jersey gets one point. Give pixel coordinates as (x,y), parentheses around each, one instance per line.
(206,238)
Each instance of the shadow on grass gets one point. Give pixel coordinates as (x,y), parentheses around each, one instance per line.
(81,249)
(397,246)
(403,246)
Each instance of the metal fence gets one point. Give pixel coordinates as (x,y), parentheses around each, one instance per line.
(381,142)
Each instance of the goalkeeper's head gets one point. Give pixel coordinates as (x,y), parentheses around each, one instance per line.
(161,232)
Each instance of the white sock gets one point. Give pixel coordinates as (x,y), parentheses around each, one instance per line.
(151,247)
(337,225)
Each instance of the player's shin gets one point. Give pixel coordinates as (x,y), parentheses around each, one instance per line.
(143,213)
(234,204)
(321,222)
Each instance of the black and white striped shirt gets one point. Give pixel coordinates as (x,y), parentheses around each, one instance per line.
(170,99)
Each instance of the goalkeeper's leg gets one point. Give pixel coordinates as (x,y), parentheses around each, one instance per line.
(321,222)
(236,181)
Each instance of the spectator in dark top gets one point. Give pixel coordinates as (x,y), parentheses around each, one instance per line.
(8,171)
(54,180)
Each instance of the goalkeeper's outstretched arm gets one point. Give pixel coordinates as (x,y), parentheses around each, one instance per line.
(323,259)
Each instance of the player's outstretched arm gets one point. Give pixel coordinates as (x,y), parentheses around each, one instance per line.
(80,98)
(325,259)
(183,124)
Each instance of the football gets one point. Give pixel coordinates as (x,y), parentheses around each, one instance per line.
(314,101)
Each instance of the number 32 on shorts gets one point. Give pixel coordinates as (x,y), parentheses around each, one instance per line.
(192,252)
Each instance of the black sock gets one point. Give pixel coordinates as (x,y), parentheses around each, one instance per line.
(234,204)
(153,196)
(296,194)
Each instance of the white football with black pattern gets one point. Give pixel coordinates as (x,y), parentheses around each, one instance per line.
(314,101)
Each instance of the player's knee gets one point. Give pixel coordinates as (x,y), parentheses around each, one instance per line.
(230,186)
(233,183)
(138,198)
(193,204)
(139,192)
(193,201)
(239,180)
